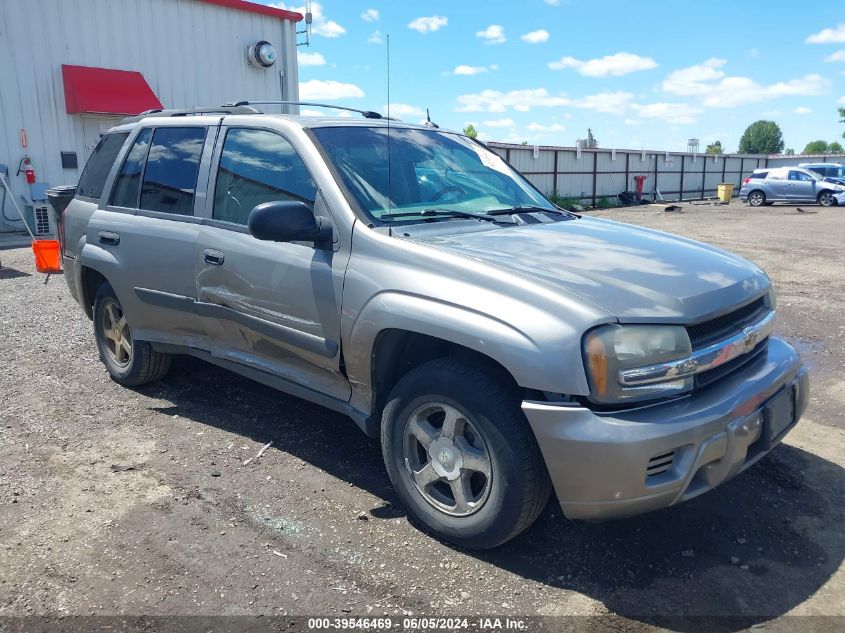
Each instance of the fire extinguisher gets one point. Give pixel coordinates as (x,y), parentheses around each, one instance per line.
(26,167)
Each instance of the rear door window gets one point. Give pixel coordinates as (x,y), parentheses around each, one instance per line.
(170,175)
(93,178)
(258,166)
(127,185)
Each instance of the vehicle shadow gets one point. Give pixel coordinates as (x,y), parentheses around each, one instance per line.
(749,551)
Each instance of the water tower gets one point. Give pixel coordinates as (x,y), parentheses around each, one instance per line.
(692,146)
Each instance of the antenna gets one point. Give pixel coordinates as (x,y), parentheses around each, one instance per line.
(428,121)
(309,18)
(389,188)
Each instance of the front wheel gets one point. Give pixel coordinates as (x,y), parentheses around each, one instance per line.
(461,455)
(756,198)
(827,199)
(129,362)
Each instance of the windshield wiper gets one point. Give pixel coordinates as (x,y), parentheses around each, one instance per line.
(443,213)
(525,208)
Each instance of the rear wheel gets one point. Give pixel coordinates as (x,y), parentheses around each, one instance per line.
(826,199)
(461,455)
(756,198)
(129,362)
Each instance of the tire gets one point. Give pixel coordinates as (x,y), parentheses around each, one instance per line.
(504,494)
(757,198)
(826,199)
(129,362)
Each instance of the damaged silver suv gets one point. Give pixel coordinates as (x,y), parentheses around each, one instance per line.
(500,347)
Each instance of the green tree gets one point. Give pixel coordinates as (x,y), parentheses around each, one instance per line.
(842,120)
(761,137)
(715,148)
(470,131)
(789,151)
(590,142)
(835,148)
(815,147)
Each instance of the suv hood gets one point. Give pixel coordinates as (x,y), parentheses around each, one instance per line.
(636,274)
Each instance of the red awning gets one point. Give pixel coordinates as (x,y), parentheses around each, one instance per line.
(106,91)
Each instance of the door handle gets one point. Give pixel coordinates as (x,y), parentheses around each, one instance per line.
(213,257)
(108,238)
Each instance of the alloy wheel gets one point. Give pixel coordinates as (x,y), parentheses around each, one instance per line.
(116,334)
(447,459)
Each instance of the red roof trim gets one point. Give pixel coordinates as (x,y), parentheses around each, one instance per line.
(262,9)
(106,91)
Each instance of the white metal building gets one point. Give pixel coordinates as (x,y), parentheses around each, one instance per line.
(70,69)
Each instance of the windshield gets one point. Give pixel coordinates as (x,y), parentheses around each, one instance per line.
(428,169)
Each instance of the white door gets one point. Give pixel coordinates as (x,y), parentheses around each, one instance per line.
(93,127)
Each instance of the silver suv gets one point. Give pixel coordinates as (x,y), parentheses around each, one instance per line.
(789,184)
(500,347)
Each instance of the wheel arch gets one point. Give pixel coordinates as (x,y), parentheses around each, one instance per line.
(392,324)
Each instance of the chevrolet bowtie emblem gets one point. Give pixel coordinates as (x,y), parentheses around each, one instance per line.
(750,339)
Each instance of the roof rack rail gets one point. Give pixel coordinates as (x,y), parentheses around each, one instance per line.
(368,114)
(224,109)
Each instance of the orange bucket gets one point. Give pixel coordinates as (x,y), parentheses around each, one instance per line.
(47,258)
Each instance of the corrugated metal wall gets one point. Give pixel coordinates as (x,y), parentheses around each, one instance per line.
(604,173)
(190,52)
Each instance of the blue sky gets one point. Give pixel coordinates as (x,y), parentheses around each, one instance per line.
(649,74)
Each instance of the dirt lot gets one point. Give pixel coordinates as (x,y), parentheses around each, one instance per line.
(312,527)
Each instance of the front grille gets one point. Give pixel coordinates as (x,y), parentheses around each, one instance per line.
(714,330)
(712,375)
(660,464)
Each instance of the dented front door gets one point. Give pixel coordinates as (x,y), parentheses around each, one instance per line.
(274,306)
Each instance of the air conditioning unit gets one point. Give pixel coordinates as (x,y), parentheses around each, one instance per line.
(38,218)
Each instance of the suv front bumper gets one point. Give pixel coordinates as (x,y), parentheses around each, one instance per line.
(608,465)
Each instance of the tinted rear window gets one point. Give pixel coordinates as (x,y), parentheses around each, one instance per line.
(93,178)
(128,181)
(759,175)
(170,176)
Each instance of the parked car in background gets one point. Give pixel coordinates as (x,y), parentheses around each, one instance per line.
(499,346)
(834,172)
(789,184)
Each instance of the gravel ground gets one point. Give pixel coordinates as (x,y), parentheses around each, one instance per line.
(116,501)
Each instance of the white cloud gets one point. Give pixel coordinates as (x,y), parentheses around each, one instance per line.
(463,69)
(735,91)
(609,102)
(632,122)
(838,56)
(802,110)
(403,109)
(428,24)
(678,113)
(722,91)
(828,36)
(616,65)
(536,37)
(552,3)
(493,34)
(320,25)
(312,113)
(328,90)
(537,127)
(311,59)
(370,15)
(499,123)
(519,100)
(375,38)
(689,80)
(841,101)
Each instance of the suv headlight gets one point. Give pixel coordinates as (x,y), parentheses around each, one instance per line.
(612,348)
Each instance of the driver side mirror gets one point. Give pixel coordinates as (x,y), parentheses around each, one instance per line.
(287,221)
